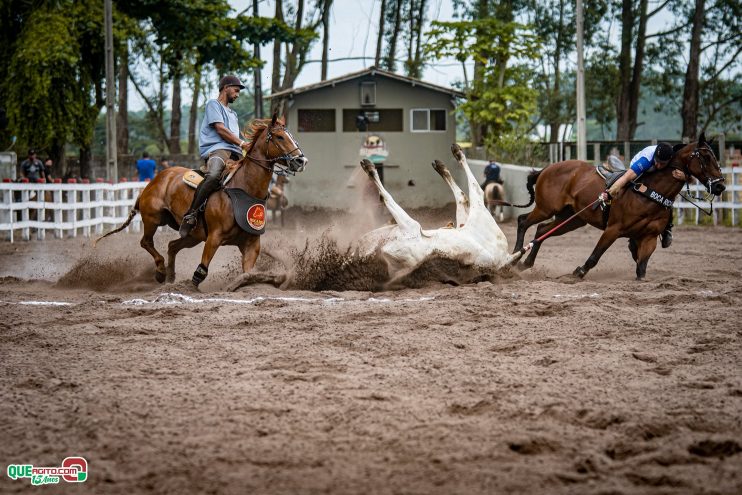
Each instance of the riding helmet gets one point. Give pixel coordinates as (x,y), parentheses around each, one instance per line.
(663,152)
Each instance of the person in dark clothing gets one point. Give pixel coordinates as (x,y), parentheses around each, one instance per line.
(32,168)
(491,174)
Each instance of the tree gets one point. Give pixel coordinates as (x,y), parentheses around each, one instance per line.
(57,50)
(296,48)
(700,75)
(503,101)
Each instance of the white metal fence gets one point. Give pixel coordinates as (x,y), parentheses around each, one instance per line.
(65,210)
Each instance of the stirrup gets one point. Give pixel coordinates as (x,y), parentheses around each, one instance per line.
(189,222)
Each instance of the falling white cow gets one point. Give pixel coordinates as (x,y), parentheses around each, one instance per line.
(476,241)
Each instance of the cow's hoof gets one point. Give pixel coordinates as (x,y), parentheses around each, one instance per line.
(456,150)
(160,277)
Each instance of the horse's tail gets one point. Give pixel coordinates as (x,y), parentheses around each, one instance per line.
(132,214)
(530,182)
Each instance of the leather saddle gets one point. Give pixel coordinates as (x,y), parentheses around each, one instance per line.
(609,175)
(194,177)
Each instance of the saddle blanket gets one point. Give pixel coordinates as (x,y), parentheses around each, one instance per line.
(249,212)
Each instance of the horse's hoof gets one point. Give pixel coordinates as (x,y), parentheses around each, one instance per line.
(579,272)
(160,277)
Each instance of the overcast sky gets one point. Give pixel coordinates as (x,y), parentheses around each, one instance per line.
(353,32)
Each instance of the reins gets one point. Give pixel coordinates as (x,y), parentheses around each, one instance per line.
(709,196)
(543,237)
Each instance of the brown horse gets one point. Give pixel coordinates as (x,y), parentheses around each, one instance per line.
(568,187)
(167,198)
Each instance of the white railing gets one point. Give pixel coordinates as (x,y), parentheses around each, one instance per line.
(65,209)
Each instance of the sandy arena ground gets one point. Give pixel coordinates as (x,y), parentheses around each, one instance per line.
(533,384)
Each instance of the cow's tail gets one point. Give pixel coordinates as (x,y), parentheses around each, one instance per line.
(530,182)
(132,214)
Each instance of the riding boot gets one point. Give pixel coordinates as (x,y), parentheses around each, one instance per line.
(666,235)
(203,191)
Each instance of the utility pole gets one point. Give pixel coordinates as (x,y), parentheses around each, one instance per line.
(258,88)
(112,172)
(581,132)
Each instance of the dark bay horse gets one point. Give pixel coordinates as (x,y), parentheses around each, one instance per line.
(568,187)
(167,198)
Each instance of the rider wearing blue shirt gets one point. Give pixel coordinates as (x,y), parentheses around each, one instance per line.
(146,167)
(219,140)
(651,158)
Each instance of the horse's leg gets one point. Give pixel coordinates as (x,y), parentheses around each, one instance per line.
(212,244)
(644,250)
(526,220)
(633,249)
(405,222)
(148,243)
(462,202)
(250,251)
(606,240)
(173,248)
(545,227)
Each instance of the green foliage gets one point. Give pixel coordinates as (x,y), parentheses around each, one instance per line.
(52,92)
(502,98)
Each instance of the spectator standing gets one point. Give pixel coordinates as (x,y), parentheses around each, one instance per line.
(49,169)
(146,167)
(32,168)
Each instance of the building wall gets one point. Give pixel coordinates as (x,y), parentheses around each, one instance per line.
(335,156)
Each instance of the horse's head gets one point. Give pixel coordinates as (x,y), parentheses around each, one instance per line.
(282,149)
(698,159)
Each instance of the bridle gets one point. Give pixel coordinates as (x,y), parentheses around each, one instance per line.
(280,165)
(708,196)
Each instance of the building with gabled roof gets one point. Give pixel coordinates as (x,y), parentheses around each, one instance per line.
(400,123)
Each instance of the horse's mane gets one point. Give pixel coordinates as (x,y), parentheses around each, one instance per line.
(255,127)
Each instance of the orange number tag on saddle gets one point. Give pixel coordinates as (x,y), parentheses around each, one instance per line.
(249,212)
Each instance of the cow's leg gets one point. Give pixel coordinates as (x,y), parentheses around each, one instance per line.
(462,202)
(148,243)
(173,248)
(405,222)
(606,240)
(644,251)
(476,195)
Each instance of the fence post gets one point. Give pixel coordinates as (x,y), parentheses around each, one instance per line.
(86,212)
(8,214)
(58,217)
(25,232)
(41,214)
(626,152)
(596,153)
(72,196)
